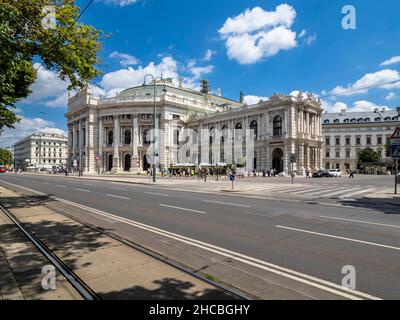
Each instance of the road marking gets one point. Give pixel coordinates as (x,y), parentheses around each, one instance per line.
(341,238)
(83,190)
(339,192)
(329,191)
(116,196)
(184,209)
(228,204)
(156,194)
(357,193)
(281,271)
(57,185)
(360,221)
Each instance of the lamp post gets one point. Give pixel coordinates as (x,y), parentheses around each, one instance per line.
(153,138)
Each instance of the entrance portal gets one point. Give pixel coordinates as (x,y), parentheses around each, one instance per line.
(277,160)
(110,162)
(127,162)
(146,165)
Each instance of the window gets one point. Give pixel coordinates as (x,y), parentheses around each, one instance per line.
(348,152)
(346,120)
(360,120)
(378,119)
(254,128)
(353,120)
(277,126)
(367,120)
(110,139)
(347,141)
(146,139)
(326,122)
(176,117)
(127,137)
(238,126)
(337,141)
(379,140)
(336,121)
(337,154)
(327,141)
(358,141)
(368,140)
(327,153)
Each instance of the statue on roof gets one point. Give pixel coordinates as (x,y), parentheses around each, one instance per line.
(241,98)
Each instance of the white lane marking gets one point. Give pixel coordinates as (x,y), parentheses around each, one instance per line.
(184,209)
(281,271)
(340,238)
(83,190)
(329,191)
(307,190)
(339,192)
(357,193)
(57,185)
(156,194)
(228,204)
(360,221)
(116,196)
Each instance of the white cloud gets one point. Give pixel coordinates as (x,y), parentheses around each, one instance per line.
(125,59)
(209,54)
(119,80)
(24,128)
(390,61)
(198,72)
(48,89)
(303,33)
(251,100)
(257,34)
(369,80)
(391,96)
(358,106)
(120,3)
(53,131)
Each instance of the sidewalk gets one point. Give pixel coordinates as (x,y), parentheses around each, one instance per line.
(112,269)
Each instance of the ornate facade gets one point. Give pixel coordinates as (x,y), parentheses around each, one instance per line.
(112,134)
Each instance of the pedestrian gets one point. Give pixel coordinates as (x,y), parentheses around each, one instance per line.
(66,172)
(351,176)
(308,173)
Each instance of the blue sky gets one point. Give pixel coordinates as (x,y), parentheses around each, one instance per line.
(265,47)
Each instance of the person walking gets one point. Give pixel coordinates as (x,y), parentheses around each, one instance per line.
(351,176)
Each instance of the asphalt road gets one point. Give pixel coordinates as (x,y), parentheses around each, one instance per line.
(314,239)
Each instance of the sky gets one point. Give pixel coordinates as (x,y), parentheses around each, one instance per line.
(260,47)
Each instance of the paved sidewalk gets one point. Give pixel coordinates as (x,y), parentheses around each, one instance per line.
(113,270)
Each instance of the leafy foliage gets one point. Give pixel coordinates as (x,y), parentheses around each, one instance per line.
(5,156)
(70,48)
(368,155)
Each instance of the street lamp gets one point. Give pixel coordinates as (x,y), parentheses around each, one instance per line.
(154,120)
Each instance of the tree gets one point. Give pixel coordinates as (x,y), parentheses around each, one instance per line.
(388,149)
(5,157)
(368,155)
(27,35)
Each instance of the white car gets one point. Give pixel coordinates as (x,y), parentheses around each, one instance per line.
(335,173)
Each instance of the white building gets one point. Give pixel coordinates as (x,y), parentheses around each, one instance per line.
(112,134)
(41,150)
(347,133)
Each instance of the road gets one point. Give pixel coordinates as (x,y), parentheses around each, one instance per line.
(314,239)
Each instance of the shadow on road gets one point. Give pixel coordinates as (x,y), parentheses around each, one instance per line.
(387,206)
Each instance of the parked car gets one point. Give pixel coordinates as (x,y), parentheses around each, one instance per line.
(322,174)
(3,169)
(335,173)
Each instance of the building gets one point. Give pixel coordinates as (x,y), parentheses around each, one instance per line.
(347,133)
(111,134)
(41,150)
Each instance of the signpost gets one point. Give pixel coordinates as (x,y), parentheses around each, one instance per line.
(395,151)
(232,178)
(293,160)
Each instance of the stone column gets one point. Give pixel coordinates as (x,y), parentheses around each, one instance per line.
(300,161)
(101,142)
(116,163)
(135,144)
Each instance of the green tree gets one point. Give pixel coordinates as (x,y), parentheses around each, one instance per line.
(5,157)
(66,47)
(368,155)
(388,148)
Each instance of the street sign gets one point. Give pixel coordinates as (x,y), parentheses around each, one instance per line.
(232,177)
(395,151)
(293,158)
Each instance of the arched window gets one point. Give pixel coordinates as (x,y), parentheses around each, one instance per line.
(367,120)
(254,128)
(360,120)
(110,137)
(238,126)
(378,119)
(346,120)
(278,126)
(326,122)
(146,139)
(176,137)
(127,137)
(212,135)
(336,121)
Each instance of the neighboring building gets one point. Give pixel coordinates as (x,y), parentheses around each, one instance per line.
(41,150)
(347,133)
(111,134)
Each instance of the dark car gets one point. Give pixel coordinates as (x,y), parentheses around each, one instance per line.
(322,174)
